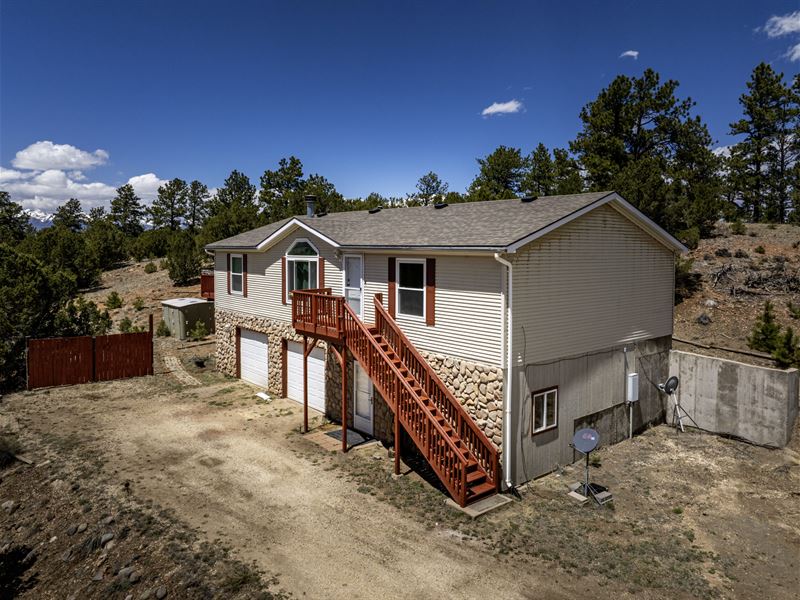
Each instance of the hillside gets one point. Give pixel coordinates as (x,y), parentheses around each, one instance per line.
(735,279)
(130,282)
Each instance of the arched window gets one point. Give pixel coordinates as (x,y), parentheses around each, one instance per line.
(301,266)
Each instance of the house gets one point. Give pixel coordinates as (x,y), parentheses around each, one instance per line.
(486,332)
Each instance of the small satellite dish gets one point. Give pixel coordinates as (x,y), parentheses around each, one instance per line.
(670,385)
(585,440)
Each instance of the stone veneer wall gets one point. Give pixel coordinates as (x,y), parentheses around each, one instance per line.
(478,387)
(226,324)
(382,415)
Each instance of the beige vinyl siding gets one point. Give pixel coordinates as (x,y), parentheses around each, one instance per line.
(595,283)
(469,306)
(264,279)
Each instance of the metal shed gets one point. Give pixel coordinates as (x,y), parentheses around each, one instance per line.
(182,314)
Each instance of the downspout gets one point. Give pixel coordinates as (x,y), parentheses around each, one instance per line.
(507,361)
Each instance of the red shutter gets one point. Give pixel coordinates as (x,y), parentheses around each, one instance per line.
(392,285)
(283,279)
(321,274)
(430,291)
(244,275)
(228,271)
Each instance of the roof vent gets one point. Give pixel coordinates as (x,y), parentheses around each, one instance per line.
(440,205)
(375,210)
(322,213)
(528,198)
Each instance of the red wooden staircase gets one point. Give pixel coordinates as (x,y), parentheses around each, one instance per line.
(460,454)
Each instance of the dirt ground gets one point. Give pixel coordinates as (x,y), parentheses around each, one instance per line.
(693,515)
(734,280)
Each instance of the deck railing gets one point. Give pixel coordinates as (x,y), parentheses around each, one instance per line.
(318,312)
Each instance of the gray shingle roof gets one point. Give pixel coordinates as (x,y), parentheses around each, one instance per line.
(487,225)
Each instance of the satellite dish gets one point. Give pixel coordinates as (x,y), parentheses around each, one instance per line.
(585,440)
(671,385)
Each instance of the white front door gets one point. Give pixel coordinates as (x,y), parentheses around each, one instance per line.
(362,415)
(316,375)
(254,357)
(353,281)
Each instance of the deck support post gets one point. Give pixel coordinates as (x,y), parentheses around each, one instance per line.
(305,382)
(344,397)
(396,441)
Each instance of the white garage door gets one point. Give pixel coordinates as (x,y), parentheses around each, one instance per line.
(316,376)
(254,357)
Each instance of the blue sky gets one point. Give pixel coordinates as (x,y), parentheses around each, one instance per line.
(370,94)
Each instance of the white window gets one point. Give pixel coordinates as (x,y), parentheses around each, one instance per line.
(301,267)
(411,287)
(237,264)
(545,410)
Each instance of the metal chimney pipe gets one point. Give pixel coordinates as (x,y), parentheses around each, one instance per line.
(311,205)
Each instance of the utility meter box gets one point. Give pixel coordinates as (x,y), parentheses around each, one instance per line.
(632,388)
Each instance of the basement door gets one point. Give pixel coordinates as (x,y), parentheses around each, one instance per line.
(362,415)
(316,376)
(254,357)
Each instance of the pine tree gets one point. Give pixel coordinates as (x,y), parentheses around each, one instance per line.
(183,259)
(500,175)
(430,189)
(237,192)
(232,210)
(281,190)
(566,173)
(14,224)
(70,215)
(769,148)
(169,207)
(640,139)
(127,211)
(540,178)
(764,336)
(196,205)
(786,352)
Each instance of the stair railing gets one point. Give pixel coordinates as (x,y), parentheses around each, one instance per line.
(437,447)
(451,409)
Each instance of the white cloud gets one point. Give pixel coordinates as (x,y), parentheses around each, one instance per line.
(146,186)
(48,174)
(12,175)
(502,108)
(783,25)
(47,190)
(634,54)
(793,53)
(44,155)
(778,26)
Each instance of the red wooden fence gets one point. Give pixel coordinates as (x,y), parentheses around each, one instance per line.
(207,284)
(72,360)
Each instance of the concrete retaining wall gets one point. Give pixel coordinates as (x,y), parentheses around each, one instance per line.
(725,396)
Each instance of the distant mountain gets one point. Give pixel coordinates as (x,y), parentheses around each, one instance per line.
(39,219)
